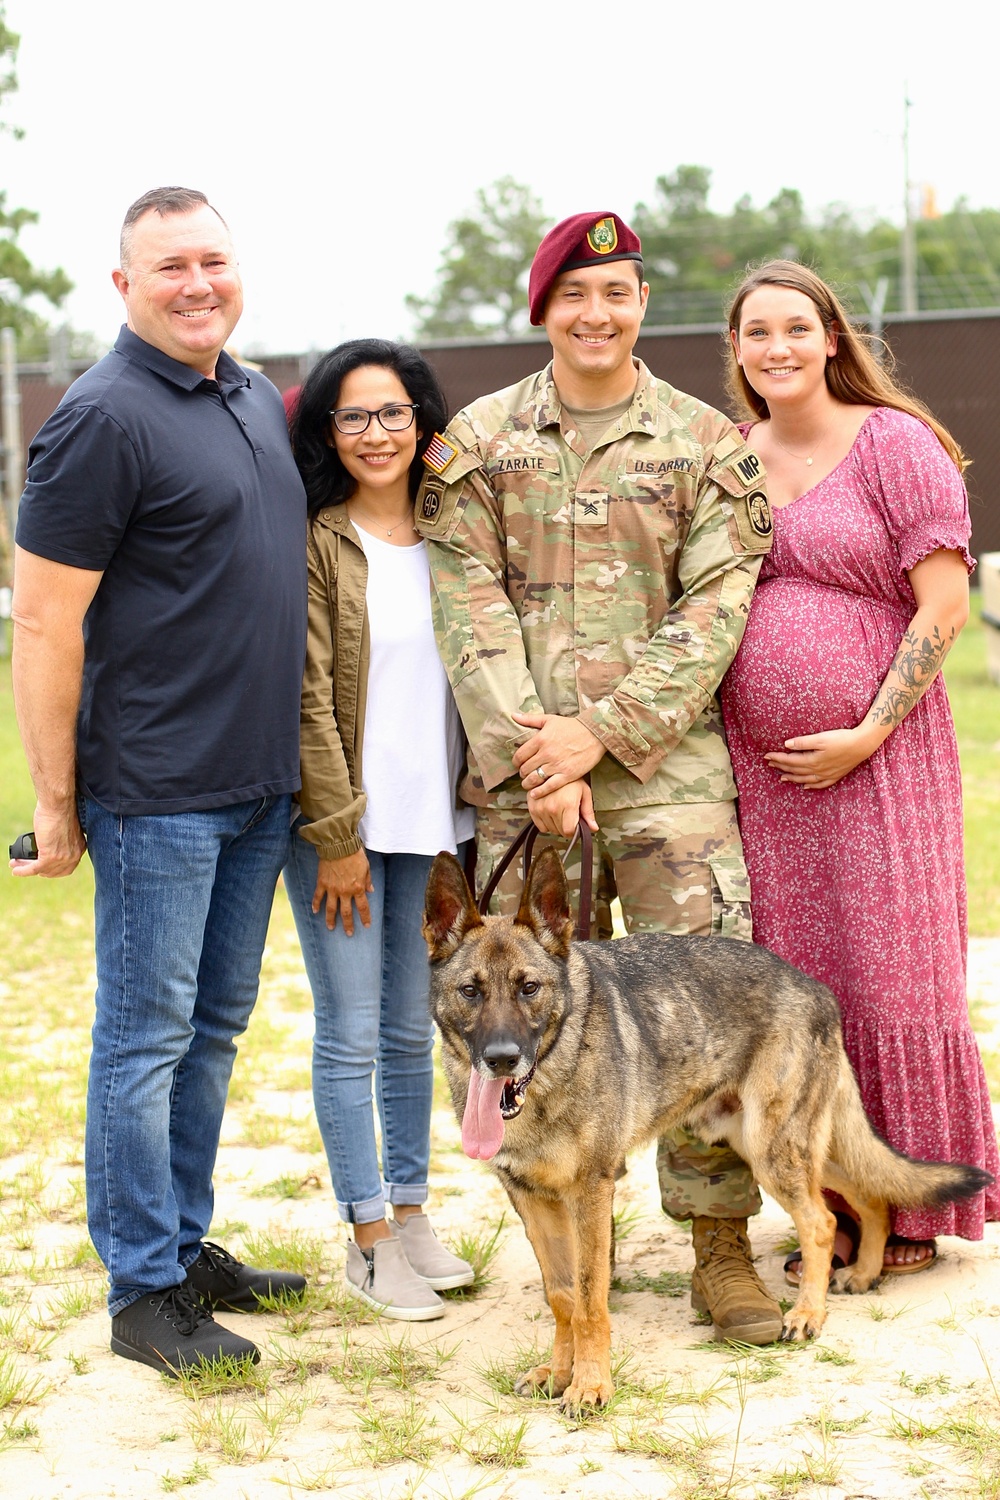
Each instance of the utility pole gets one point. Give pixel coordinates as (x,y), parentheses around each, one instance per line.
(10,401)
(59,370)
(908,267)
(875,298)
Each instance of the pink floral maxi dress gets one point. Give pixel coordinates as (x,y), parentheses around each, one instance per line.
(862,885)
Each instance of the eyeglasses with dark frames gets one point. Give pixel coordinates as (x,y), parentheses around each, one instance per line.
(352,421)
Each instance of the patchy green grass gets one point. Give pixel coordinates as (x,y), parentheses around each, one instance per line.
(479,1247)
(380,1387)
(664,1283)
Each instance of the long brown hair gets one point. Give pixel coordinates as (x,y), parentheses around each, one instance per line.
(853,374)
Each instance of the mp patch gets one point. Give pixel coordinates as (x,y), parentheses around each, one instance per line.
(749,469)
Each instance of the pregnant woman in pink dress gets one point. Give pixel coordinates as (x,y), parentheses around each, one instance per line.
(840,731)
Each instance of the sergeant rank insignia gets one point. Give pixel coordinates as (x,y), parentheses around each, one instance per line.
(603,238)
(439,453)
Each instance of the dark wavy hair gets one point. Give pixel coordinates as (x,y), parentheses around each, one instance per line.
(326,480)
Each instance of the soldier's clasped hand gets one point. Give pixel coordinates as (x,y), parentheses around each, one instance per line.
(562,750)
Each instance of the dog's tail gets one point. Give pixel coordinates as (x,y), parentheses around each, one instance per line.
(880,1171)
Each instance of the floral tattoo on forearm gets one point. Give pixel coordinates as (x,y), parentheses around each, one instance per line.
(916,665)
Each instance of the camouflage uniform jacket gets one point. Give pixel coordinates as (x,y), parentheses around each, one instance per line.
(611,586)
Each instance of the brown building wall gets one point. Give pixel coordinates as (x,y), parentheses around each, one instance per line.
(951,362)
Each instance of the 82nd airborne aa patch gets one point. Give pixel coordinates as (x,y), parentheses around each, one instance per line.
(430,498)
(603,237)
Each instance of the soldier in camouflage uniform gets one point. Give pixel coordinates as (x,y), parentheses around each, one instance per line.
(595,537)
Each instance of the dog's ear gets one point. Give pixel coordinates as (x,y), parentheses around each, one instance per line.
(449,910)
(545,904)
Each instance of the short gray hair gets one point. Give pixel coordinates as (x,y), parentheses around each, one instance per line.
(165,200)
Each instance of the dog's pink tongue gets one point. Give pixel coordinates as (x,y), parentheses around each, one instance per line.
(482,1123)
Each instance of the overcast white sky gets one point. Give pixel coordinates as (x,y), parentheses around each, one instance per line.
(339,139)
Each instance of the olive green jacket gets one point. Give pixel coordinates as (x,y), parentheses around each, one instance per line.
(334,685)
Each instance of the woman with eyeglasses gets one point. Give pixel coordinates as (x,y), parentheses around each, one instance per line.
(382,753)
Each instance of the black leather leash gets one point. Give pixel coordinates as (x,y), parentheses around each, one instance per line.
(527,837)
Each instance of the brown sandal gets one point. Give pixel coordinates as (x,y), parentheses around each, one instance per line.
(851,1231)
(909,1268)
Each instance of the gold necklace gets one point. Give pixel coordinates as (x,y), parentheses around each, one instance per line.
(800,457)
(381,524)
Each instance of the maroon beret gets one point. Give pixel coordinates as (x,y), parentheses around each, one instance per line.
(583,240)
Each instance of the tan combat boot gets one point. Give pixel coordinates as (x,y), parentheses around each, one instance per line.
(725,1284)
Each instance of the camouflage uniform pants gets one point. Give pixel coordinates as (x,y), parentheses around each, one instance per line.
(675,868)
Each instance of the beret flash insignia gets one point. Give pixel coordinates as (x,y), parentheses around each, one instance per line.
(603,237)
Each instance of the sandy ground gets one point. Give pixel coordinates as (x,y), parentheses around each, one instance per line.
(896,1400)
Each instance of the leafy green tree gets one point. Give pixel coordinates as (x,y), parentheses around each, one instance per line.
(19,279)
(483,277)
(694,257)
(958,258)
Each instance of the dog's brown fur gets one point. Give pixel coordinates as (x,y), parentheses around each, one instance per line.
(622,1041)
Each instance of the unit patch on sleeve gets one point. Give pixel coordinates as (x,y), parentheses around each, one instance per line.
(759,512)
(752,514)
(431,494)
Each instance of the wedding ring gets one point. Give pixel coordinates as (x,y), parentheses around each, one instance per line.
(540,773)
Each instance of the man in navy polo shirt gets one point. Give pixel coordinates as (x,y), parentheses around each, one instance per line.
(160,614)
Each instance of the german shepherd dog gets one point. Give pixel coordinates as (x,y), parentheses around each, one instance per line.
(563,1056)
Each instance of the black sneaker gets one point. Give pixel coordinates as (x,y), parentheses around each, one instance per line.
(174,1331)
(221,1280)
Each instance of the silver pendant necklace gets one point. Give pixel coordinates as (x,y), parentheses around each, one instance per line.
(406,521)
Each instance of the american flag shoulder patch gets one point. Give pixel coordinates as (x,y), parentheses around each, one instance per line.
(439,453)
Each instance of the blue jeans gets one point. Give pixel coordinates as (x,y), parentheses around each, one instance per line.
(372,1016)
(182,903)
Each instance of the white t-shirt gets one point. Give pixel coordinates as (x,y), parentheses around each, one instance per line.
(412,753)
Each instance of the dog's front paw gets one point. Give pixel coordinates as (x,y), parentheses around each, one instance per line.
(849,1279)
(542,1380)
(589,1390)
(803,1322)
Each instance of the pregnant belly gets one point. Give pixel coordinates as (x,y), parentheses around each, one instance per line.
(812,658)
